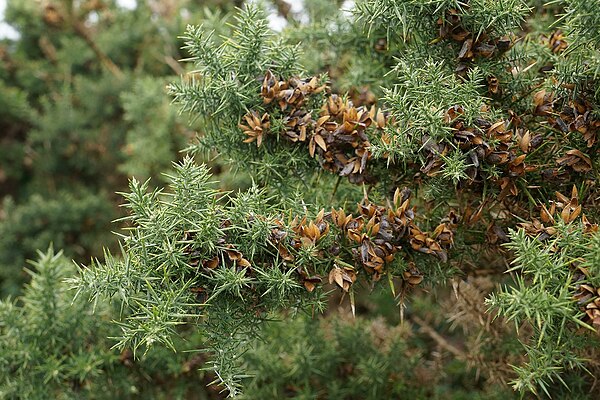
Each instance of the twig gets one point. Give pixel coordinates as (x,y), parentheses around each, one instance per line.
(174,65)
(439,339)
(82,32)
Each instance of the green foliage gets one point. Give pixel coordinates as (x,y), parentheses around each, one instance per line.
(77,220)
(226,84)
(150,141)
(543,296)
(359,358)
(164,260)
(408,19)
(54,346)
(40,348)
(423,94)
(581,64)
(14,104)
(463,100)
(582,20)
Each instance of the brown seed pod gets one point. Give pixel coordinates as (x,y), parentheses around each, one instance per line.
(543,102)
(577,160)
(493,85)
(557,42)
(256,127)
(412,275)
(343,277)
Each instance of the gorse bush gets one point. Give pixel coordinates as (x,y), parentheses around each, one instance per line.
(474,114)
(71,218)
(354,358)
(430,166)
(55,347)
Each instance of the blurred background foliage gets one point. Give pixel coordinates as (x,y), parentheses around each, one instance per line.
(83,107)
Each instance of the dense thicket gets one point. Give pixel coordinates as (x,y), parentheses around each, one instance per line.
(421,220)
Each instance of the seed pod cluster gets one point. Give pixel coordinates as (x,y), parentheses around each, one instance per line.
(340,132)
(256,127)
(301,233)
(292,93)
(378,233)
(343,277)
(576,160)
(565,208)
(336,136)
(575,116)
(373,237)
(588,298)
(472,45)
(483,143)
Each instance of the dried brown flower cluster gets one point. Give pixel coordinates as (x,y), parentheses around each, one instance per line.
(574,116)
(472,45)
(371,240)
(374,237)
(566,208)
(343,128)
(292,93)
(484,143)
(378,232)
(256,127)
(588,298)
(337,136)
